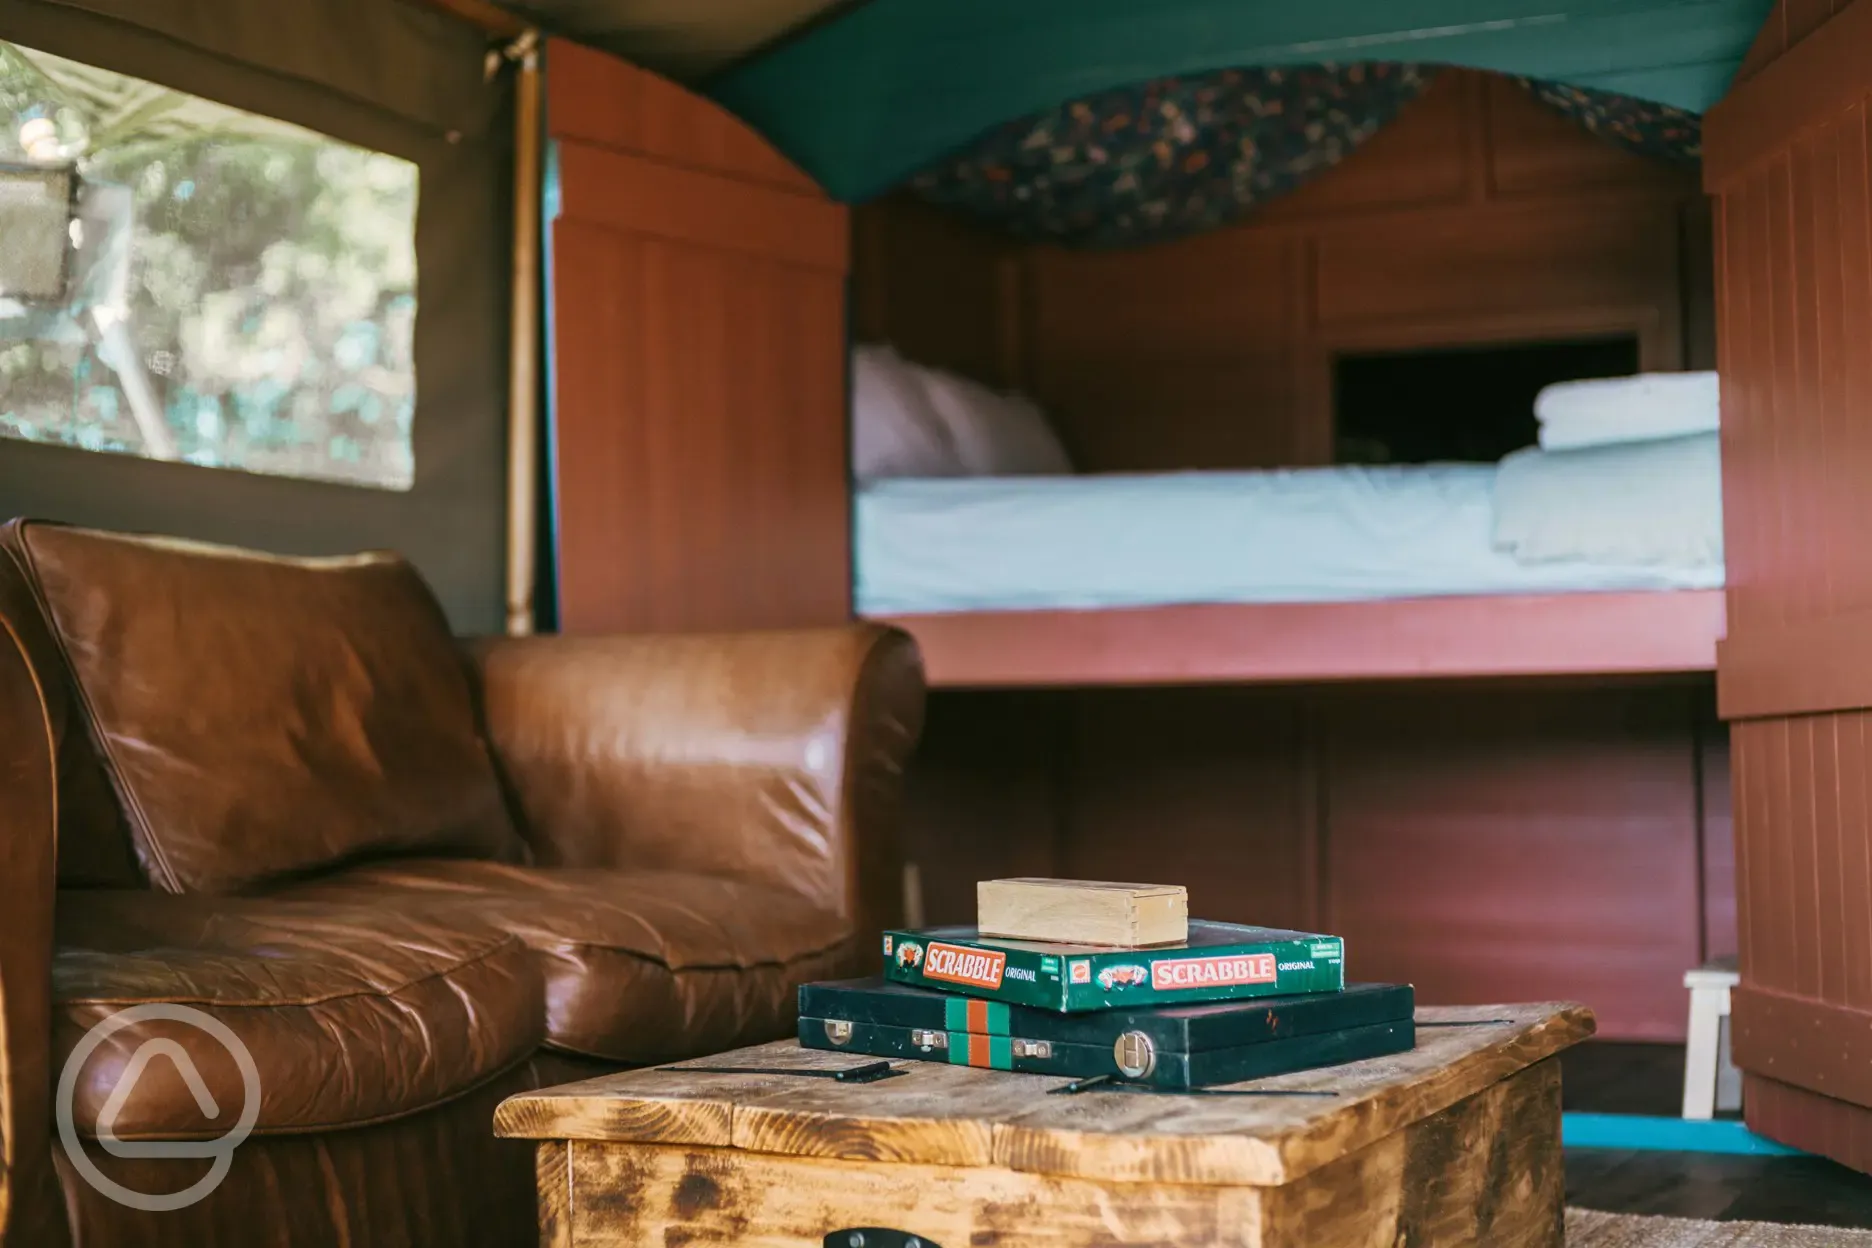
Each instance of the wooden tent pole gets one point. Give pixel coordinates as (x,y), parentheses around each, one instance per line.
(523,400)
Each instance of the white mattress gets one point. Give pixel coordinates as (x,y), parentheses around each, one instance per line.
(1303,535)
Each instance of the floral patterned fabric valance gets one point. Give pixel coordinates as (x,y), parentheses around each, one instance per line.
(1655,130)
(1171,157)
(1177,156)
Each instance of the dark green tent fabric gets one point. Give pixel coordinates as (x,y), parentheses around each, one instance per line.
(870,97)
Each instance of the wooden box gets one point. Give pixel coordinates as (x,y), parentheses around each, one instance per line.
(1455,1144)
(1083,912)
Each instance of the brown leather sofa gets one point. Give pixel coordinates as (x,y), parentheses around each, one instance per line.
(408,876)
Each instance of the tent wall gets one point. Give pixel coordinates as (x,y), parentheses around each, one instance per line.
(391,77)
(699,365)
(1787,158)
(1485,841)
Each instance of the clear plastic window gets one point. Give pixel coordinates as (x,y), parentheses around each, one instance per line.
(183,280)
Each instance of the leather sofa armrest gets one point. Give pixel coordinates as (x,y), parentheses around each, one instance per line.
(774,757)
(31,1205)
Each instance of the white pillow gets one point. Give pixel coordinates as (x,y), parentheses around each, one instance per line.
(996,435)
(896,432)
(1627,409)
(1652,503)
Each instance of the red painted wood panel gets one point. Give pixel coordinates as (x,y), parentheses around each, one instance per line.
(1483,635)
(597,99)
(1212,788)
(1536,845)
(1482,840)
(1787,157)
(699,366)
(1716,818)
(982,795)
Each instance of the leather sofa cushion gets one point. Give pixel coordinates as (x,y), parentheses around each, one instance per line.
(93,842)
(438,1179)
(262,716)
(640,967)
(352,1014)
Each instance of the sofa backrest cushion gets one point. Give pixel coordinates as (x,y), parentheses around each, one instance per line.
(94,849)
(264,717)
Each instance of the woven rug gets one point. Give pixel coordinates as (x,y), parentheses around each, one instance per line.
(1586,1229)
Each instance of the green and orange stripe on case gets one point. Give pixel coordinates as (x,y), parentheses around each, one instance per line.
(968,1048)
(973,1015)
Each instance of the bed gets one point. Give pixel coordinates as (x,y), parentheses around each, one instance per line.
(1598,555)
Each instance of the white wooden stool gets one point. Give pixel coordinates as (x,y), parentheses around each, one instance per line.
(1711,1081)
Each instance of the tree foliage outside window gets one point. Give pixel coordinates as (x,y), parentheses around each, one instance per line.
(271,303)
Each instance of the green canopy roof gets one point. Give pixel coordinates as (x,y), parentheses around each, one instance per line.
(883,89)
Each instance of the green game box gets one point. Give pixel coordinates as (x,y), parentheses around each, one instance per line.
(1220,962)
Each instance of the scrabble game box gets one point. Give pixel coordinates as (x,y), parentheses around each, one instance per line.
(1220,962)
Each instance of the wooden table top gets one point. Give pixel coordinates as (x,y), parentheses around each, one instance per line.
(939,1114)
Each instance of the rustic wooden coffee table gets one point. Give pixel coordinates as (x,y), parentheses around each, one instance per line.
(1454,1144)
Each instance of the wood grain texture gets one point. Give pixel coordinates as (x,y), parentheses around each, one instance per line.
(1362,810)
(1083,912)
(959,1116)
(1483,1173)
(1787,157)
(939,289)
(646,1197)
(983,795)
(1597,634)
(1804,86)
(552,1163)
(1485,846)
(1805,1042)
(1808,1120)
(1214,788)
(1716,823)
(699,366)
(599,100)
(1809,666)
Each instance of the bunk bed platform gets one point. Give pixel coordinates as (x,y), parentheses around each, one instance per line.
(1496,635)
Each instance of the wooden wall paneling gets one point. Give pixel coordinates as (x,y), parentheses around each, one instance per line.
(1485,841)
(1212,788)
(1809,1121)
(699,367)
(1172,357)
(1696,248)
(1513,261)
(1119,415)
(600,100)
(945,293)
(1532,844)
(983,794)
(1418,160)
(1786,155)
(1806,86)
(1533,149)
(1716,826)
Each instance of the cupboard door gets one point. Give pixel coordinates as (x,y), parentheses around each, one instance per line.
(1786,155)
(698,365)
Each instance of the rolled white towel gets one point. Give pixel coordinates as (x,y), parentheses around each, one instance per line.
(1602,412)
